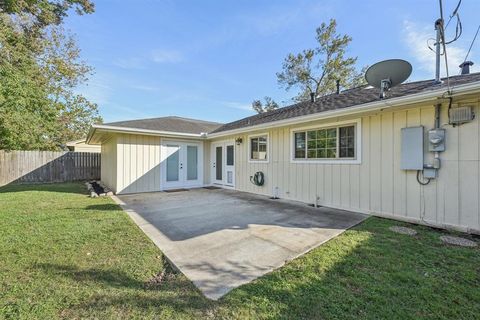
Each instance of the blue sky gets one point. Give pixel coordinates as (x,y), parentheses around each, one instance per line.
(210,59)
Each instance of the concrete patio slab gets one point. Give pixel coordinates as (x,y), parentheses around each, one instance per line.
(221,239)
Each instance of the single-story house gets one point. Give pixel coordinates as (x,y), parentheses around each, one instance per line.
(350,150)
(81,146)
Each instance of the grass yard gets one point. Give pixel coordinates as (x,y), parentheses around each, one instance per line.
(64,255)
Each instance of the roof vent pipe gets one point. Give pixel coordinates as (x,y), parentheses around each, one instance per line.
(312,96)
(338,86)
(465,66)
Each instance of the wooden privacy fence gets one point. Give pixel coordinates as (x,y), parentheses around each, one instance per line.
(47,166)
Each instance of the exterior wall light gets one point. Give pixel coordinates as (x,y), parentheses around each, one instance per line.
(238,141)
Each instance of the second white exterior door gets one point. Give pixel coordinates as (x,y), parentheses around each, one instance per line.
(223,163)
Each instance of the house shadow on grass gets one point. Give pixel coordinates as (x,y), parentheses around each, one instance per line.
(368,272)
(119,290)
(371,272)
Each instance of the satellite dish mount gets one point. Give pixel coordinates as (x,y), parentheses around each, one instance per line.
(387,74)
(385,85)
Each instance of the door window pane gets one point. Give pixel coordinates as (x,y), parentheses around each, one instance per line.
(173,163)
(218,163)
(192,163)
(229,177)
(230,155)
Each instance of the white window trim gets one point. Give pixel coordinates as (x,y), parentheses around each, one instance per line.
(358,143)
(250,160)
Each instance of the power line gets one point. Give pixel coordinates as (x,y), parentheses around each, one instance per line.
(471,44)
(442,35)
(454,13)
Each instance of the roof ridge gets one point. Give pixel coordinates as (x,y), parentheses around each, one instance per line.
(165,117)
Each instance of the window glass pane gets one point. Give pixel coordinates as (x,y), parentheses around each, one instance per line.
(332,133)
(173,163)
(347,142)
(218,163)
(254,148)
(230,156)
(331,153)
(311,154)
(300,145)
(312,135)
(192,163)
(258,148)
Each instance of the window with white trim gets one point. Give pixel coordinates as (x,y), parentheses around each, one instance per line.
(328,143)
(258,148)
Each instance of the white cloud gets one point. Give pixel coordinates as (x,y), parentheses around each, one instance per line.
(129,63)
(145,88)
(166,56)
(237,105)
(416,36)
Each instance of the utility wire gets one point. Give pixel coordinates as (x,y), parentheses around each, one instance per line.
(471,44)
(454,13)
(442,39)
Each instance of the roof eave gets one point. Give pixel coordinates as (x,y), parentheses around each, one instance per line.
(370,106)
(115,129)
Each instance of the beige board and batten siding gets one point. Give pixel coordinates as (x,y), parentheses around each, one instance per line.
(138,163)
(83,147)
(133,163)
(377,185)
(109,163)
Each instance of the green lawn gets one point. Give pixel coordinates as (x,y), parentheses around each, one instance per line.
(64,255)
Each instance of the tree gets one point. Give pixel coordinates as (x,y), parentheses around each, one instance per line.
(260,107)
(317,70)
(40,68)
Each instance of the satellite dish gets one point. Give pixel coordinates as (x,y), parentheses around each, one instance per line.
(388,73)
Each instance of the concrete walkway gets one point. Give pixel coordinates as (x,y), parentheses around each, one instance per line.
(221,239)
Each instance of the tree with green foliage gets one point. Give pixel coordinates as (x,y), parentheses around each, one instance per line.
(317,70)
(40,68)
(261,107)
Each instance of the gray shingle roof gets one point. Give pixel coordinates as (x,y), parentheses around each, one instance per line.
(171,124)
(347,98)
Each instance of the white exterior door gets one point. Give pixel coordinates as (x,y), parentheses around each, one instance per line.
(223,163)
(182,164)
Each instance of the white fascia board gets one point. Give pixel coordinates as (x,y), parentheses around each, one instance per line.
(370,106)
(115,129)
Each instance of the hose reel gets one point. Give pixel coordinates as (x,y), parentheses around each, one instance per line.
(258,179)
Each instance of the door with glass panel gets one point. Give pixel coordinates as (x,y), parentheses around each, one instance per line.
(182,165)
(223,163)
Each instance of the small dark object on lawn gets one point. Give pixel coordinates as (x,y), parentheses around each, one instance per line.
(211,188)
(457,241)
(97,188)
(403,230)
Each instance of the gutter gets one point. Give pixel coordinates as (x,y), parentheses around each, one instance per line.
(102,127)
(369,106)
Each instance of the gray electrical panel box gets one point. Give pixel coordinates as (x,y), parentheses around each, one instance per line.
(412,148)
